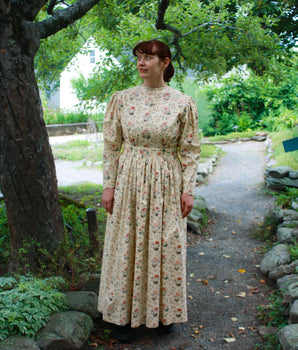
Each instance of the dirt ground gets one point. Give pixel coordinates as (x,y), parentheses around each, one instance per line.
(224,283)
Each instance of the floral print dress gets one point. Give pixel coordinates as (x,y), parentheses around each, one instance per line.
(151,151)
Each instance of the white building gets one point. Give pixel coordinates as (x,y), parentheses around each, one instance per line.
(83,64)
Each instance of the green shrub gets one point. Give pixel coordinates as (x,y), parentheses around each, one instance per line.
(26,304)
(52,116)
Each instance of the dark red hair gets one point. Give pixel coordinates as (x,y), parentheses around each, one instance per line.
(156,47)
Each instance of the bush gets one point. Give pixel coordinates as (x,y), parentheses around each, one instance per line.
(57,117)
(27,303)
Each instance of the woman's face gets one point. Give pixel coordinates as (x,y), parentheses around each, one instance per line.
(151,67)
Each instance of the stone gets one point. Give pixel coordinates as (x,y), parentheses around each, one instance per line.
(277,256)
(18,343)
(290,215)
(293,291)
(205,168)
(194,227)
(278,172)
(200,179)
(283,270)
(286,234)
(288,337)
(265,331)
(83,301)
(294,312)
(283,283)
(195,216)
(200,203)
(293,174)
(280,183)
(90,282)
(65,331)
(290,224)
(259,138)
(288,286)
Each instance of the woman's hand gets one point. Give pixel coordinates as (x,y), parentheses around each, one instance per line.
(186,204)
(107,199)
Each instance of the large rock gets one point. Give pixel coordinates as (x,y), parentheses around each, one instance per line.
(205,168)
(287,234)
(280,183)
(288,337)
(198,216)
(18,343)
(278,172)
(277,256)
(288,286)
(293,174)
(290,215)
(294,312)
(65,331)
(90,282)
(83,301)
(283,270)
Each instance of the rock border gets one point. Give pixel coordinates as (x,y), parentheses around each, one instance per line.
(276,265)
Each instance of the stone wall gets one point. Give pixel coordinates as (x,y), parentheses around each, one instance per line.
(280,177)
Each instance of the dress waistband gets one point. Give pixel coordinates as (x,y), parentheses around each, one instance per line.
(148,151)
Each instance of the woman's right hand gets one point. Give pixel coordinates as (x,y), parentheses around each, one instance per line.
(107,199)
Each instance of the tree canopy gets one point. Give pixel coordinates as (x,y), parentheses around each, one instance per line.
(206,38)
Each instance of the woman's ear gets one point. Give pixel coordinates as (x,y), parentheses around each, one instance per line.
(166,61)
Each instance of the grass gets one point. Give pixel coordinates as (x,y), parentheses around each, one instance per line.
(232,135)
(79,150)
(208,151)
(281,157)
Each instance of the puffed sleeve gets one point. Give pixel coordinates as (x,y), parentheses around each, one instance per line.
(112,134)
(189,146)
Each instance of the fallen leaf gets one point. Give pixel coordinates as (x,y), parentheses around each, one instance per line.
(233,232)
(241,270)
(226,296)
(192,275)
(229,340)
(226,256)
(199,280)
(239,221)
(190,297)
(263,281)
(253,291)
(234,319)
(194,336)
(201,253)
(205,282)
(196,332)
(241,295)
(226,229)
(173,348)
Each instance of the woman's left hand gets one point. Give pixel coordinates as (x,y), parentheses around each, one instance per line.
(186,204)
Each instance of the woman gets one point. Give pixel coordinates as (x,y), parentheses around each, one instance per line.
(150,164)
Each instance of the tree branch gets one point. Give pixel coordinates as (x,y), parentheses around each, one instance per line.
(160,20)
(62,18)
(28,8)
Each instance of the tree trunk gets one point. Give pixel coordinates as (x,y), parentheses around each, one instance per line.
(27,170)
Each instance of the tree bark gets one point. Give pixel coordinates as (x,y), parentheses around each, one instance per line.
(27,169)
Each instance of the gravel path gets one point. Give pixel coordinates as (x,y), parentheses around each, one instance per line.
(224,284)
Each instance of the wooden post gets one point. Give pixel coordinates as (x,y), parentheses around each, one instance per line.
(93,229)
